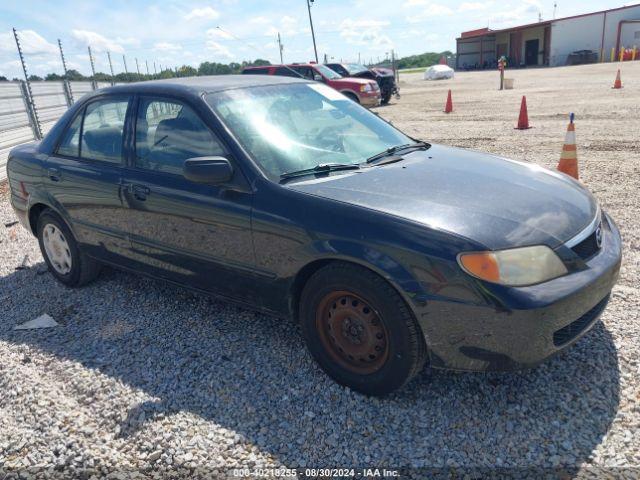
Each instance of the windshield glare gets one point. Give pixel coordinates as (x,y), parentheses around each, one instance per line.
(327,72)
(292,127)
(354,68)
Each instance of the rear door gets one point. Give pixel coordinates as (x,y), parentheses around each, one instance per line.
(83,176)
(194,234)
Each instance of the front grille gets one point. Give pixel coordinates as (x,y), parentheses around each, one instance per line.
(587,248)
(571,331)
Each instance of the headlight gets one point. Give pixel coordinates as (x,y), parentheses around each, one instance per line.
(366,88)
(516,267)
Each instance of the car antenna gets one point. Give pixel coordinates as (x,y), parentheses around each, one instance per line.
(256,49)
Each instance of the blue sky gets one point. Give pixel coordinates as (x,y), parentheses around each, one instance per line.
(181,32)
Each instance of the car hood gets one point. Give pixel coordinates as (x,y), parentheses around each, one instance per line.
(498,202)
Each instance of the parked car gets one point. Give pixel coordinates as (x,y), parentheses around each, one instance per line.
(282,195)
(362,91)
(385,77)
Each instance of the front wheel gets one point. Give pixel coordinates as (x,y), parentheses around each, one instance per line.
(61,253)
(359,329)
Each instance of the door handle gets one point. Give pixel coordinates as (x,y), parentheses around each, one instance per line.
(53,174)
(140,192)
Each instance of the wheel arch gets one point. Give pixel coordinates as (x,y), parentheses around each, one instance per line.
(351,94)
(405,285)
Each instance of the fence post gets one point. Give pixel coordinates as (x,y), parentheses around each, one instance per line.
(94,84)
(29,108)
(27,94)
(66,86)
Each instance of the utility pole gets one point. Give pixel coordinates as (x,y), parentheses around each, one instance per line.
(124,60)
(137,66)
(313,33)
(65,82)
(359,57)
(113,79)
(155,71)
(29,104)
(93,69)
(147,64)
(280,48)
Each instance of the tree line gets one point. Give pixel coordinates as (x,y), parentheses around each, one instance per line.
(213,68)
(205,68)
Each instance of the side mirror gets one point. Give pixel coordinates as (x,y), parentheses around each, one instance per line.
(318,78)
(211,170)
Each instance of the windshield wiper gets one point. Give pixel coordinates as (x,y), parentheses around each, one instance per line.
(322,168)
(398,148)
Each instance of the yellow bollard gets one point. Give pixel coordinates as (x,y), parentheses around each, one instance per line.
(613,54)
(622,54)
(635,51)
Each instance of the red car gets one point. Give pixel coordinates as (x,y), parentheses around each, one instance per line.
(363,91)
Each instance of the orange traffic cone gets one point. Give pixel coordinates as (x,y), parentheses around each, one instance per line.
(448,108)
(523,120)
(618,82)
(569,158)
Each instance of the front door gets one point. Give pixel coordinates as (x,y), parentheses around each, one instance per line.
(83,176)
(532,47)
(197,235)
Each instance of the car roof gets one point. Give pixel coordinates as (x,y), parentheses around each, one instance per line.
(199,85)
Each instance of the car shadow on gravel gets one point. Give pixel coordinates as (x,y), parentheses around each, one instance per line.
(251,374)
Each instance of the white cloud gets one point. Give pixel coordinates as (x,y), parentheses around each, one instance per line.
(474,6)
(526,11)
(205,13)
(167,47)
(217,33)
(97,42)
(218,49)
(365,32)
(427,11)
(259,20)
(31,42)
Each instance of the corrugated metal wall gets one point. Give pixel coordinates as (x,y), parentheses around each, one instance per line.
(50,102)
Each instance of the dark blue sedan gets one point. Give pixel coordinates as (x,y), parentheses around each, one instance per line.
(284,196)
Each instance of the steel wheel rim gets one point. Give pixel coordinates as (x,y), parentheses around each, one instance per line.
(352,332)
(57,249)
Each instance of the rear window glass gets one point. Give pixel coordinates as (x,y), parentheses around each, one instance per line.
(256,71)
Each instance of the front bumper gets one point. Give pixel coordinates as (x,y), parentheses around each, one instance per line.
(515,328)
(370,100)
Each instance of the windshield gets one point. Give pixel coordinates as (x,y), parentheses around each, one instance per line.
(327,72)
(354,68)
(296,126)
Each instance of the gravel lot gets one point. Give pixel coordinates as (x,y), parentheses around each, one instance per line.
(145,377)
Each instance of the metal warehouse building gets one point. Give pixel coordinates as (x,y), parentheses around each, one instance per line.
(551,42)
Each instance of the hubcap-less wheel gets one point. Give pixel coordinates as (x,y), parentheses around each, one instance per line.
(56,248)
(352,332)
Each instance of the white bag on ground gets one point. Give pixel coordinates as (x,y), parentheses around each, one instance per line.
(438,72)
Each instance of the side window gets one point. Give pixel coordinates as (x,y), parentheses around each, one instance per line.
(102,130)
(305,71)
(257,71)
(70,144)
(286,72)
(169,132)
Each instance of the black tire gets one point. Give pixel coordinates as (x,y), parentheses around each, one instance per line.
(83,268)
(404,347)
(386,97)
(352,96)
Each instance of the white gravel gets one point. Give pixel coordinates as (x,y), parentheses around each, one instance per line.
(144,377)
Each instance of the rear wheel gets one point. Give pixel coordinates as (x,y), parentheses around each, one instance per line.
(61,253)
(386,97)
(360,330)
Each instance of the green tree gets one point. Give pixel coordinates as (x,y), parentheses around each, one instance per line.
(35,78)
